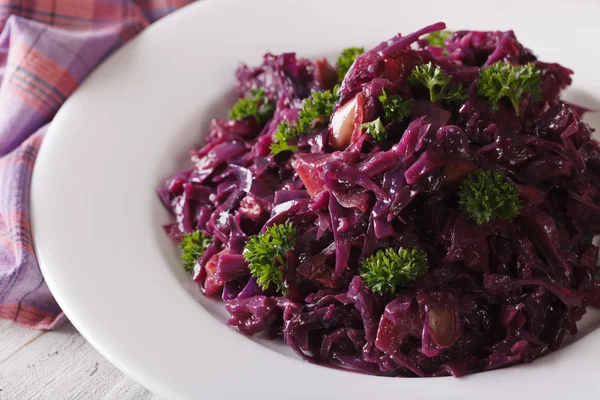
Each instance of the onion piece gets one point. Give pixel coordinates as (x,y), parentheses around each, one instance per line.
(342,125)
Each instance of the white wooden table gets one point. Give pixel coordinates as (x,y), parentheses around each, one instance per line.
(59,365)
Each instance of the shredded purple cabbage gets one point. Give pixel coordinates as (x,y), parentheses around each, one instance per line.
(495,295)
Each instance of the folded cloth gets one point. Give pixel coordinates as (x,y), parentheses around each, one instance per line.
(47,48)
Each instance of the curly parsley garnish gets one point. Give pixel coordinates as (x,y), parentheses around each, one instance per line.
(283,133)
(440,85)
(438,39)
(486,195)
(375,129)
(193,246)
(511,81)
(255,105)
(346,59)
(389,268)
(318,107)
(265,254)
(395,109)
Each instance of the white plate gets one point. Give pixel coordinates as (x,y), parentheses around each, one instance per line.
(97,218)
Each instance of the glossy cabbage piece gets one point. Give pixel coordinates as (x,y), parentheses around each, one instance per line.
(496,294)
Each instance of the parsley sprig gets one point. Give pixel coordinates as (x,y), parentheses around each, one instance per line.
(438,39)
(375,129)
(319,105)
(265,254)
(511,81)
(317,108)
(389,268)
(395,108)
(193,246)
(284,132)
(440,84)
(486,195)
(255,104)
(346,59)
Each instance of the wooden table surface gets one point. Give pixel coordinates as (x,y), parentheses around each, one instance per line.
(59,365)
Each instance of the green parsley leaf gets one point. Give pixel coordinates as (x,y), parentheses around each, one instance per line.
(280,143)
(389,268)
(395,109)
(193,246)
(255,105)
(487,194)
(512,81)
(319,105)
(346,59)
(316,108)
(438,39)
(375,129)
(265,254)
(440,85)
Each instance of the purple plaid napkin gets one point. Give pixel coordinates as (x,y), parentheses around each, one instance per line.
(47,48)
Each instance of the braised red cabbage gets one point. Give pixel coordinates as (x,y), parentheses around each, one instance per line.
(496,294)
